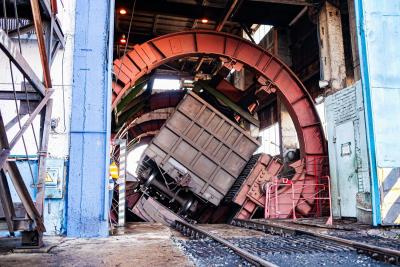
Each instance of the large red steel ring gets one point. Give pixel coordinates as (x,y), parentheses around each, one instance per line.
(151,54)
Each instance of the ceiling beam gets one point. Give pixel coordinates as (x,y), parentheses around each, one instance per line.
(287,2)
(161,7)
(155,24)
(228,14)
(302,12)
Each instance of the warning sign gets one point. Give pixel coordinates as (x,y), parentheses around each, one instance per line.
(49,179)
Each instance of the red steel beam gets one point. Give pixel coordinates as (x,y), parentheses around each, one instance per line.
(54,7)
(42,46)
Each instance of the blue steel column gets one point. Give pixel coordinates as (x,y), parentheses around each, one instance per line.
(368,111)
(90,120)
(378,34)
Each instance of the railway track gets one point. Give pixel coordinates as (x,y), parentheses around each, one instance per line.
(197,233)
(282,246)
(387,255)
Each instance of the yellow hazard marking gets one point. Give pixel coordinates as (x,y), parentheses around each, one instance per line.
(392,195)
(381,176)
(114,172)
(397,221)
(49,179)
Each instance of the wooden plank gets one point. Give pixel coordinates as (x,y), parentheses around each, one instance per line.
(287,2)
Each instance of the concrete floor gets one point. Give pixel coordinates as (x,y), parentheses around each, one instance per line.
(140,244)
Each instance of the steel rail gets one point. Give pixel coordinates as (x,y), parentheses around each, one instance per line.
(378,253)
(189,229)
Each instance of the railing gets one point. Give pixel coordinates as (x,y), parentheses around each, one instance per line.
(285,197)
(285,189)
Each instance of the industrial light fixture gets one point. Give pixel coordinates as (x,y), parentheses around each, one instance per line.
(204,20)
(319,99)
(123,11)
(123,39)
(323,84)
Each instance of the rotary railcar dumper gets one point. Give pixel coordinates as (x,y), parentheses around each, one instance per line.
(195,158)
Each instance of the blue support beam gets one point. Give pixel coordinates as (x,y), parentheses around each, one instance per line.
(87,204)
(378,38)
(368,112)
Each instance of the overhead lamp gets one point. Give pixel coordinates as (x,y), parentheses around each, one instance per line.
(123,11)
(123,39)
(323,84)
(204,20)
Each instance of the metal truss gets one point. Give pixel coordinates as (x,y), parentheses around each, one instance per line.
(36,95)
